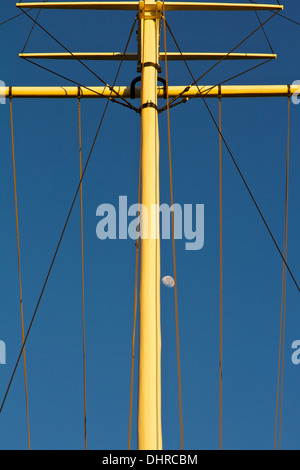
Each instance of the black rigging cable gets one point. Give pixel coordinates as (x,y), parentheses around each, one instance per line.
(64,228)
(113,100)
(12,18)
(244,181)
(79,60)
(281,15)
(289,19)
(32,28)
(265,34)
(207,91)
(213,86)
(195,81)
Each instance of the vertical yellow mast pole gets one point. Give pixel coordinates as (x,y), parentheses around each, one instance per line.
(149,405)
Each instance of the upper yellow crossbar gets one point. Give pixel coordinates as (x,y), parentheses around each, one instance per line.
(169,6)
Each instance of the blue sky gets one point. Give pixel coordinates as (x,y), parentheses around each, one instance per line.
(46,135)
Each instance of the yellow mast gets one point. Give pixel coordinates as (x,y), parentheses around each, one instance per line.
(149,409)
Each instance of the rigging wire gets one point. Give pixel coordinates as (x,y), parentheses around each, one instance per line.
(13,17)
(254,201)
(290,19)
(221,287)
(283,256)
(246,185)
(64,228)
(195,81)
(281,15)
(265,34)
(206,92)
(283,297)
(19,268)
(79,60)
(158,276)
(32,28)
(221,283)
(173,240)
(232,78)
(136,283)
(82,270)
(113,100)
(158,272)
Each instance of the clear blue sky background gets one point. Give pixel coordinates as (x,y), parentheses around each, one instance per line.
(46,134)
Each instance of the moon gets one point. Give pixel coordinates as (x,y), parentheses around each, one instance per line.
(168,281)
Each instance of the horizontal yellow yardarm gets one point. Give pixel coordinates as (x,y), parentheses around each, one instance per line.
(209,91)
(169,6)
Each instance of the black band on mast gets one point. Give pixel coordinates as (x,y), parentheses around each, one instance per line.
(151,64)
(150,104)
